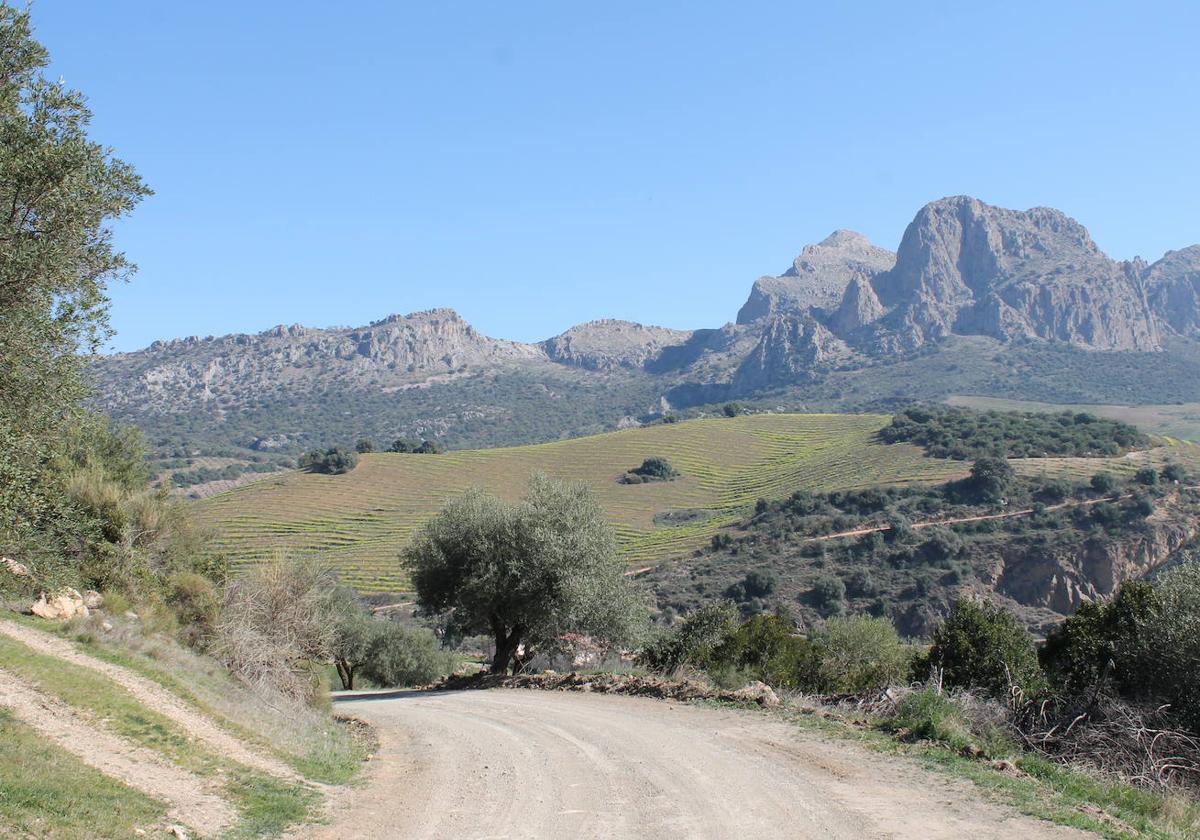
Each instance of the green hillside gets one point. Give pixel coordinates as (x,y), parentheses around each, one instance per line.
(362,520)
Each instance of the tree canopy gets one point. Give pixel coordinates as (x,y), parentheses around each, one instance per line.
(526,573)
(58,191)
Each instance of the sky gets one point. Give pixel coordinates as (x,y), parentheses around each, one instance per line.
(535,165)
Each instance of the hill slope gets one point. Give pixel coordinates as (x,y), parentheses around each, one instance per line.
(362,520)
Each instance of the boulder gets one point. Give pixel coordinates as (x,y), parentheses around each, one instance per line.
(61,606)
(93,600)
(760,693)
(14,568)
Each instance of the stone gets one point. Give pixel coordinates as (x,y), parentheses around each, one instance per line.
(93,600)
(61,606)
(760,693)
(14,568)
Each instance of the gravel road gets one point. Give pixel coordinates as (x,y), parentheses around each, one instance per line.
(526,764)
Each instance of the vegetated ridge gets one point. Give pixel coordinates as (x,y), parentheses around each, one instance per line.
(976,300)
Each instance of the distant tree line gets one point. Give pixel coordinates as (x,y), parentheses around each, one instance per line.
(962,434)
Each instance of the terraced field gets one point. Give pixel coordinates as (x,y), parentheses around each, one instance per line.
(360,521)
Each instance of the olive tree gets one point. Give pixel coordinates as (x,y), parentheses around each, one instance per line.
(59,190)
(526,573)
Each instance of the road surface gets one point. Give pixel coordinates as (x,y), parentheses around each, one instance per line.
(529,764)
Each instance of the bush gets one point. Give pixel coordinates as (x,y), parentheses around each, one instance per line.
(1103,482)
(1102,643)
(333,461)
(990,479)
(856,654)
(693,642)
(959,721)
(656,469)
(364,447)
(278,622)
(766,648)
(829,595)
(197,605)
(731,409)
(1165,656)
(983,646)
(753,585)
(398,656)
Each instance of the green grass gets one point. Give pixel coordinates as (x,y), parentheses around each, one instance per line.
(265,805)
(47,792)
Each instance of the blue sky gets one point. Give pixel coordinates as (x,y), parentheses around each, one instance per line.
(538,164)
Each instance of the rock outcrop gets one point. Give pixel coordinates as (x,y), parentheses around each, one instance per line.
(60,606)
(968,268)
(817,278)
(608,344)
(791,348)
(859,308)
(1173,289)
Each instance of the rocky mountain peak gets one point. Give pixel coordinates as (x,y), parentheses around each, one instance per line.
(818,277)
(607,344)
(966,267)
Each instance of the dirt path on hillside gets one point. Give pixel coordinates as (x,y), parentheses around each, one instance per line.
(154,697)
(185,794)
(525,764)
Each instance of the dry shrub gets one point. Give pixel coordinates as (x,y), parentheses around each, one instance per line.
(1139,745)
(278,623)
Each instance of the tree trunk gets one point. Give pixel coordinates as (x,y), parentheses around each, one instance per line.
(345,674)
(506,645)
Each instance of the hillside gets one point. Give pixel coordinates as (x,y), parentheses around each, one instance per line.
(976,299)
(361,520)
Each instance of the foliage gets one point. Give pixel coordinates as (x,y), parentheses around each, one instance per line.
(196,603)
(765,648)
(1167,652)
(656,467)
(415,447)
(277,622)
(755,584)
(983,646)
(333,461)
(693,642)
(526,573)
(364,446)
(961,433)
(856,654)
(731,409)
(829,595)
(401,656)
(989,480)
(61,190)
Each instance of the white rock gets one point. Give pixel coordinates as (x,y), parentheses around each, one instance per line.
(92,599)
(61,606)
(14,568)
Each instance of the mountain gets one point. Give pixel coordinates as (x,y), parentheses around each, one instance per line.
(976,300)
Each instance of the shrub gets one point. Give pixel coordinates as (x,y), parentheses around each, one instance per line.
(766,648)
(398,656)
(1147,476)
(333,461)
(656,469)
(990,479)
(278,621)
(754,585)
(829,595)
(982,645)
(693,642)
(731,409)
(960,721)
(364,446)
(856,654)
(1103,482)
(860,584)
(1102,642)
(197,605)
(1166,654)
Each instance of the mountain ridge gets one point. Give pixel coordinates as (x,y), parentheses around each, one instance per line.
(1017,278)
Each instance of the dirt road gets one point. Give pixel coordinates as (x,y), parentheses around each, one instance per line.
(527,764)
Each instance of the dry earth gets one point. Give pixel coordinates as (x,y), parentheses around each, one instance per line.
(526,764)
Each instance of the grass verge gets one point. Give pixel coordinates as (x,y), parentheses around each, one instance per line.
(265,805)
(47,792)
